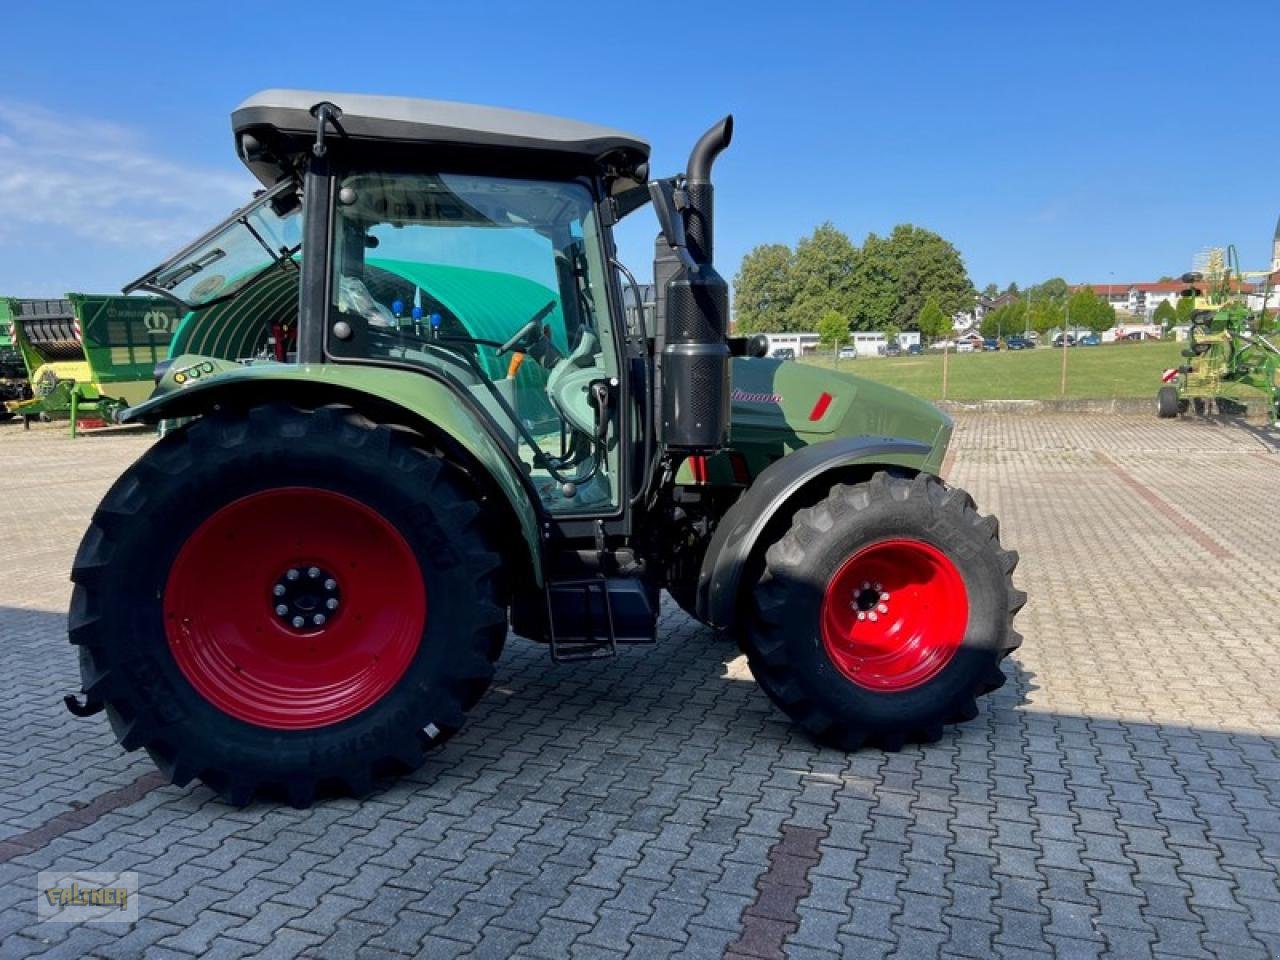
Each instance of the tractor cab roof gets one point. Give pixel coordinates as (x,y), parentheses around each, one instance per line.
(275,130)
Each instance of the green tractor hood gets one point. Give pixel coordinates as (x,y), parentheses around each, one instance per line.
(779,406)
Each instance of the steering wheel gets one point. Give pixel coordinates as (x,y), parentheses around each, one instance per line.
(533,326)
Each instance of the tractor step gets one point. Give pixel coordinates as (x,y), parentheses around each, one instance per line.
(588,618)
(580,620)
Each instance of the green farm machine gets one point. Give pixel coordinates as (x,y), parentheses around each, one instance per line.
(14,385)
(84,356)
(1226,348)
(412,414)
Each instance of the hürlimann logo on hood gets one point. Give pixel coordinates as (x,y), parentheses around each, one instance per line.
(743,396)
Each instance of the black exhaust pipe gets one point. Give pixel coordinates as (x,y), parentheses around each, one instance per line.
(699,219)
(695,356)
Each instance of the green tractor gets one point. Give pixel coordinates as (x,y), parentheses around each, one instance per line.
(464,429)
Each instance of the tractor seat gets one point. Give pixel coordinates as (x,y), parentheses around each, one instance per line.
(569,379)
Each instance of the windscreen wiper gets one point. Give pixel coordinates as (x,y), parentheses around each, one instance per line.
(280,257)
(189,270)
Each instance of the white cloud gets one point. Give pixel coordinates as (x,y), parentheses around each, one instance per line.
(99,182)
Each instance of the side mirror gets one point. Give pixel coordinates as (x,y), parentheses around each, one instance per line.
(758,346)
(663,194)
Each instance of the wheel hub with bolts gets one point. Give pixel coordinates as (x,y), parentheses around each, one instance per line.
(871,601)
(306,598)
(894,615)
(281,558)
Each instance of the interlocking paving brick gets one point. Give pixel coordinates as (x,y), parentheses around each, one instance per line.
(1119,796)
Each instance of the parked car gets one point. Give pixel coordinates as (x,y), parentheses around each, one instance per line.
(848,353)
(784,353)
(892,349)
(1070,340)
(1089,340)
(1019,343)
(914,350)
(990,343)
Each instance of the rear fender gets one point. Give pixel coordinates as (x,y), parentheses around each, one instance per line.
(774,495)
(193,386)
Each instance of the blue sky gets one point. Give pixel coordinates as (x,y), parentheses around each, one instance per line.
(1089,140)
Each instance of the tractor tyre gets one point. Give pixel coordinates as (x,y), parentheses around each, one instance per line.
(1167,404)
(685,594)
(285,603)
(883,613)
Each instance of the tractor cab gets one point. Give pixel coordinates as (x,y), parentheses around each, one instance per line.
(434,257)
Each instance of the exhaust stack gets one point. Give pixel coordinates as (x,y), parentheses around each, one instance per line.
(695,356)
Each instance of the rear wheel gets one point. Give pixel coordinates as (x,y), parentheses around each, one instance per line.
(1167,405)
(285,602)
(684,593)
(884,612)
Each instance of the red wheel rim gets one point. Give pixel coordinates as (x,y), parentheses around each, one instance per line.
(894,615)
(222,619)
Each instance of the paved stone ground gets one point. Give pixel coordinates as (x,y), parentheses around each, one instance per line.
(1120,796)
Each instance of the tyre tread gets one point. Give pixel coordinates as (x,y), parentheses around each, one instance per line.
(765,645)
(471,667)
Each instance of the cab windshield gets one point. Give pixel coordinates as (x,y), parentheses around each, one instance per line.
(500,284)
(264,235)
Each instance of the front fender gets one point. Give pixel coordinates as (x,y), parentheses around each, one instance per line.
(738,533)
(194,385)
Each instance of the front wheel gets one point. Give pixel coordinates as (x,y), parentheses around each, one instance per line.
(884,612)
(1167,404)
(286,601)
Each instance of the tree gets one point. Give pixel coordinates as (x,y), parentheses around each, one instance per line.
(991,291)
(992,322)
(1186,306)
(764,291)
(833,329)
(1104,317)
(822,271)
(925,266)
(995,322)
(1005,320)
(884,283)
(932,321)
(1165,315)
(1087,309)
(1046,315)
(874,290)
(1054,289)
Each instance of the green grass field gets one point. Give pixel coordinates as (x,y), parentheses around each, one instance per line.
(1095,373)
